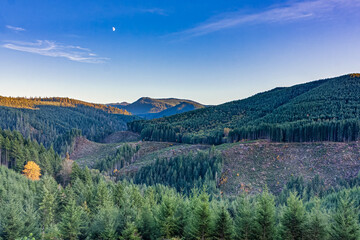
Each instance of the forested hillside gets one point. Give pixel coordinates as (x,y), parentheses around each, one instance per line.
(325,110)
(115,186)
(51,121)
(91,207)
(16,151)
(33,103)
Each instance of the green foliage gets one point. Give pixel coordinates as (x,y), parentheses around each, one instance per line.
(147,224)
(244,219)
(345,221)
(130,232)
(53,121)
(315,188)
(223,229)
(71,223)
(199,224)
(317,223)
(121,158)
(167,220)
(15,151)
(184,172)
(265,217)
(92,207)
(293,219)
(325,110)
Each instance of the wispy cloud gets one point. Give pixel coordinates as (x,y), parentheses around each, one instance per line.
(16,29)
(54,49)
(290,12)
(158,11)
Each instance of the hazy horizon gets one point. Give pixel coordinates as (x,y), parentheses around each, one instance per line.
(161,97)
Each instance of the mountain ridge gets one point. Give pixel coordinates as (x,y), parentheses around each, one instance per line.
(149,108)
(333,102)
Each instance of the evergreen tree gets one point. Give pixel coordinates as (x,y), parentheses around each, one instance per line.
(223,225)
(265,217)
(317,224)
(12,220)
(31,220)
(167,221)
(146,224)
(293,219)
(48,204)
(130,232)
(244,220)
(106,222)
(71,222)
(345,222)
(199,226)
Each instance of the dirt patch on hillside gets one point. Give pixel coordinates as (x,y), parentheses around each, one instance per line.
(250,166)
(122,136)
(84,147)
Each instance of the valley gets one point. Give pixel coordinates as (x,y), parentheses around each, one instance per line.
(161,161)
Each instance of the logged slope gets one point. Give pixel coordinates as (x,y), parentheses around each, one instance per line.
(47,120)
(248,167)
(152,108)
(321,110)
(88,153)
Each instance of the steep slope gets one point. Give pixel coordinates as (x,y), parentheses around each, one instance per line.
(321,110)
(146,106)
(49,120)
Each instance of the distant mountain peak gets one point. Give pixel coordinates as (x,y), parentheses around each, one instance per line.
(154,107)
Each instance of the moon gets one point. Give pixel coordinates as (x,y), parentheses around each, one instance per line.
(113,28)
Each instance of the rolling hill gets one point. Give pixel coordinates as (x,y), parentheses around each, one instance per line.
(323,110)
(150,108)
(52,121)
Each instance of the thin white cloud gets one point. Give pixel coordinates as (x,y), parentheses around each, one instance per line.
(158,11)
(54,49)
(16,29)
(290,12)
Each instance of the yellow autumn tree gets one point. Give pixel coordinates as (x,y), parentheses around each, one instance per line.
(32,171)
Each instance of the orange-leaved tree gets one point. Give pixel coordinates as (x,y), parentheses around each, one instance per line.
(32,171)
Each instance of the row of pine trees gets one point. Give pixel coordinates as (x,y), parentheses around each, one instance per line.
(299,131)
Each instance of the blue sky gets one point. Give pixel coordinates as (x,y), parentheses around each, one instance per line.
(209,51)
